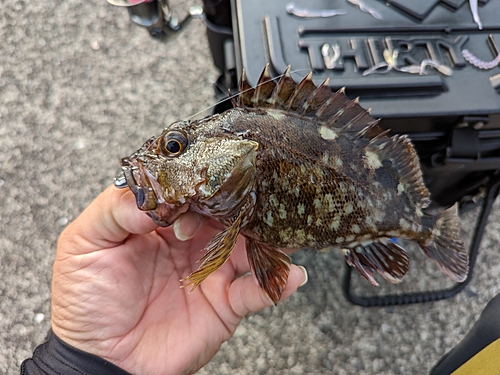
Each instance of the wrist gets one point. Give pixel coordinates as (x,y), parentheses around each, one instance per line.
(57,357)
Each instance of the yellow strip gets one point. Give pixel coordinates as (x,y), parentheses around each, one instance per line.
(486,362)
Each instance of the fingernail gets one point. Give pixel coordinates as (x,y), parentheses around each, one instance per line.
(306,277)
(186,225)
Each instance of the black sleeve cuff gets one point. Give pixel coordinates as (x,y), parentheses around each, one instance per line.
(55,357)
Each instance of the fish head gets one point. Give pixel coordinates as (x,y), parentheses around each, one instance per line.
(191,167)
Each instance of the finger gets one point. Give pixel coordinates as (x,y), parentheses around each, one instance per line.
(187,225)
(109,220)
(245,295)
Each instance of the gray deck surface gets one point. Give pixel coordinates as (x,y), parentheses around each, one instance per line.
(81,87)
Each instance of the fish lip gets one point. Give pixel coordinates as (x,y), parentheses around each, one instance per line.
(149,193)
(145,195)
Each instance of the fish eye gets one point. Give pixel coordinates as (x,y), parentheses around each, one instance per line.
(174,143)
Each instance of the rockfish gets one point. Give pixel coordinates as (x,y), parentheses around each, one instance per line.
(292,166)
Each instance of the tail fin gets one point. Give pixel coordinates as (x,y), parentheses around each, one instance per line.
(447,250)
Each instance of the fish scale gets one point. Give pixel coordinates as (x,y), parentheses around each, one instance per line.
(292,166)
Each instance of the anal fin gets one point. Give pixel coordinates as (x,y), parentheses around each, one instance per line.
(270,266)
(384,257)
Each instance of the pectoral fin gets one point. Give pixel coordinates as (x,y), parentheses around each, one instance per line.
(270,266)
(384,257)
(218,251)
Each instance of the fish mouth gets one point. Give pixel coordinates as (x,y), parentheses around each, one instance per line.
(134,176)
(148,192)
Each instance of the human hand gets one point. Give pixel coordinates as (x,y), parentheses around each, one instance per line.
(115,289)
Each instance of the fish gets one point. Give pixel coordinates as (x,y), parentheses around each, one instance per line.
(291,166)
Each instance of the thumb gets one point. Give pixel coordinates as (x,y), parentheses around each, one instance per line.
(245,295)
(107,222)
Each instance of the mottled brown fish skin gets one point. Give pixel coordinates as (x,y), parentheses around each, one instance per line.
(295,165)
(312,192)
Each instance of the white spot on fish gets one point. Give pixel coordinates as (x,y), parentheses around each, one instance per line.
(335,223)
(327,133)
(286,234)
(273,200)
(269,219)
(319,222)
(301,209)
(404,224)
(339,239)
(342,187)
(365,238)
(300,235)
(338,162)
(379,216)
(317,203)
(401,189)
(356,229)
(372,160)
(329,202)
(370,222)
(325,158)
(348,208)
(310,219)
(350,238)
(275,114)
(282,212)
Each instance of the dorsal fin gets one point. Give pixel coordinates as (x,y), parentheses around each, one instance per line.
(304,99)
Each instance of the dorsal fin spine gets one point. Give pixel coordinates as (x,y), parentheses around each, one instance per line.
(284,88)
(319,96)
(263,90)
(245,91)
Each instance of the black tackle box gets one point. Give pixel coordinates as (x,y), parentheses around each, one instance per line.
(425,67)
